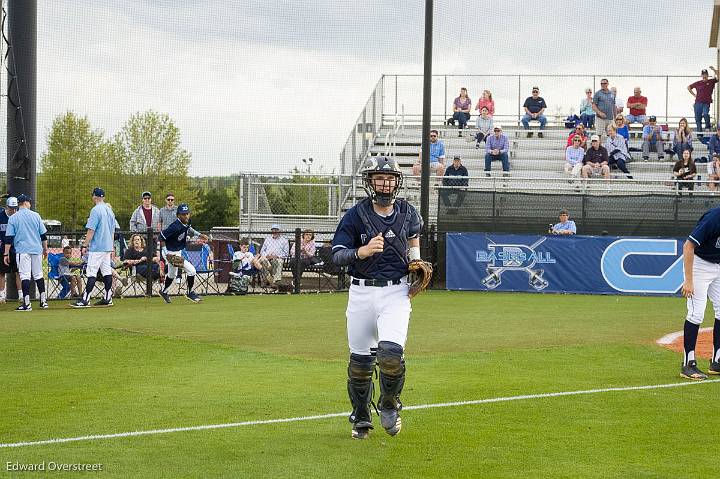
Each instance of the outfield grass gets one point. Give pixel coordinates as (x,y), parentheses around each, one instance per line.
(147,365)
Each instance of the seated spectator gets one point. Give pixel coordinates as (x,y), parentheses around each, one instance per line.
(274,250)
(685,170)
(566,225)
(587,115)
(437,156)
(487,101)
(637,104)
(579,131)
(307,255)
(617,149)
(714,172)
(496,148)
(682,140)
(484,125)
(244,266)
(461,110)
(622,127)
(714,142)
(595,162)
(460,173)
(70,283)
(136,255)
(534,108)
(574,155)
(652,139)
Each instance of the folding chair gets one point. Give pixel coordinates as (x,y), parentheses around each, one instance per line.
(54,277)
(205,272)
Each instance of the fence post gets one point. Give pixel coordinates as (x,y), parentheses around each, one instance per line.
(297,265)
(518,103)
(150,242)
(667,89)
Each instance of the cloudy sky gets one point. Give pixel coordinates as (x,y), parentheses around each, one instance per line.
(258,85)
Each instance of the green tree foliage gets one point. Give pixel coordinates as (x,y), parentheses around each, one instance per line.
(217,207)
(297,196)
(75,162)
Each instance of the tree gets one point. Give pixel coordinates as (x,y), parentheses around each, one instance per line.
(216,208)
(300,197)
(147,152)
(76,161)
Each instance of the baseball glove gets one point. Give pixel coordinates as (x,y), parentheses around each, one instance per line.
(419,275)
(175,260)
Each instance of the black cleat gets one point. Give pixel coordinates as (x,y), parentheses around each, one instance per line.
(714,368)
(691,371)
(24,307)
(166,297)
(103,303)
(80,304)
(361,429)
(44,305)
(193,296)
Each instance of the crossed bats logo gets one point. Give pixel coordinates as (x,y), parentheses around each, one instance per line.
(514,257)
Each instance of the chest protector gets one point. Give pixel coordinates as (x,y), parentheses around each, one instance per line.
(392,262)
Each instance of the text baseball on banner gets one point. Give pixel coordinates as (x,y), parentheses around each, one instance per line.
(564,264)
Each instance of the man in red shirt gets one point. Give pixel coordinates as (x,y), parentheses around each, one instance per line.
(638,106)
(703,97)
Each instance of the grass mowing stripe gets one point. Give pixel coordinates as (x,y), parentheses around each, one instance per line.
(341,414)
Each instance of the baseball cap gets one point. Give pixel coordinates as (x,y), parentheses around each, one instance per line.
(146,194)
(183,208)
(457,158)
(704,72)
(275,226)
(11,202)
(99,192)
(22,198)
(497,126)
(564,212)
(652,118)
(594,138)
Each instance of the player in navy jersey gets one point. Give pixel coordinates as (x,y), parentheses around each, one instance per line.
(376,239)
(172,241)
(701,261)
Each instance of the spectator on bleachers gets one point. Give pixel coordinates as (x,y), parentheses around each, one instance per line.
(685,170)
(714,143)
(579,131)
(137,255)
(461,110)
(617,149)
(619,104)
(486,100)
(455,176)
(637,104)
(587,115)
(534,108)
(497,146)
(307,255)
(703,97)
(145,216)
(683,138)
(714,172)
(595,162)
(652,139)
(604,107)
(621,126)
(484,125)
(437,156)
(274,250)
(574,155)
(566,226)
(168,213)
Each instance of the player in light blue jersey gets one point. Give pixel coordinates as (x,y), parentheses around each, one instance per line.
(99,239)
(27,233)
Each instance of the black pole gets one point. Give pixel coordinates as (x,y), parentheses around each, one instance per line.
(296,266)
(427,84)
(150,254)
(21,97)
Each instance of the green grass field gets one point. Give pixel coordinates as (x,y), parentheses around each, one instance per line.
(145,365)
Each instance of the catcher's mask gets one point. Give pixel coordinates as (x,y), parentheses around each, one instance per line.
(384,195)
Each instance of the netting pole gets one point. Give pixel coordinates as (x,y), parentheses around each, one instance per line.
(427,85)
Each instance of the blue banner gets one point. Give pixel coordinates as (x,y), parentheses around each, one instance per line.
(564,264)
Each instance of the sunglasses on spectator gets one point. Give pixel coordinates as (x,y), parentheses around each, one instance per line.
(169,199)
(603,83)
(536,91)
(433,136)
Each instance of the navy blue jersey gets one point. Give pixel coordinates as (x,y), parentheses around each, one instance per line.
(3,226)
(175,235)
(361,223)
(706,236)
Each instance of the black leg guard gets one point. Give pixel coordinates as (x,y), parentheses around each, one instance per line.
(392,374)
(360,389)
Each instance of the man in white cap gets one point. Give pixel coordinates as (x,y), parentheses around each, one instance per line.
(11,206)
(497,146)
(274,250)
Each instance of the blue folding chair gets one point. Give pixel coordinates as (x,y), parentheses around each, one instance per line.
(205,272)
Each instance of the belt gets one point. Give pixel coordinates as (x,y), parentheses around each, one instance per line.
(380,283)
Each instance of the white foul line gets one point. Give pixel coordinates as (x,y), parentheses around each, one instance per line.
(671,337)
(343,414)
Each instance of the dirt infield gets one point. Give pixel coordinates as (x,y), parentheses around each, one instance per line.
(704,347)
